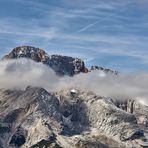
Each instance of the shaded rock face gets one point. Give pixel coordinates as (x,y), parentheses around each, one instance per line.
(62,65)
(19,138)
(65,119)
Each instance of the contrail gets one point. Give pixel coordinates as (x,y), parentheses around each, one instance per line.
(98,21)
(92,24)
(87,27)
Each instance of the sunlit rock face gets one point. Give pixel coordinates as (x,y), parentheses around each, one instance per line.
(69,119)
(139,108)
(62,65)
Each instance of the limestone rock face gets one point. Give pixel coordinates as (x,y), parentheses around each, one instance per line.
(65,119)
(62,65)
(140,111)
(136,107)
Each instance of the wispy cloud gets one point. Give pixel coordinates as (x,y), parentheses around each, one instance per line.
(23,28)
(83,28)
(95,23)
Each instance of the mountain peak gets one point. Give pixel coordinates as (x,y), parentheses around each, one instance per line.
(62,65)
(33,53)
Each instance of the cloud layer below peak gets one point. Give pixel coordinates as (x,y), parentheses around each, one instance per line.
(18,74)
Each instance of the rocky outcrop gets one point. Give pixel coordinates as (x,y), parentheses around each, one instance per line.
(136,107)
(62,65)
(140,110)
(103,70)
(69,119)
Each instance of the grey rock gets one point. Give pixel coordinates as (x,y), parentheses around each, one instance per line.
(140,110)
(105,70)
(76,119)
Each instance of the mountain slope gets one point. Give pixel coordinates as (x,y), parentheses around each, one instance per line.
(68,119)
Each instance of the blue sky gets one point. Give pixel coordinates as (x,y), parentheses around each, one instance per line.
(109,33)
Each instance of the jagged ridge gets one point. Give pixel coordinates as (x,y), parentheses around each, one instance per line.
(62,65)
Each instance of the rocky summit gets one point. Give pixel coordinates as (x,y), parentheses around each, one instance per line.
(62,65)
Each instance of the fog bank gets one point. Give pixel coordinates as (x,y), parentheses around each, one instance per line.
(18,74)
